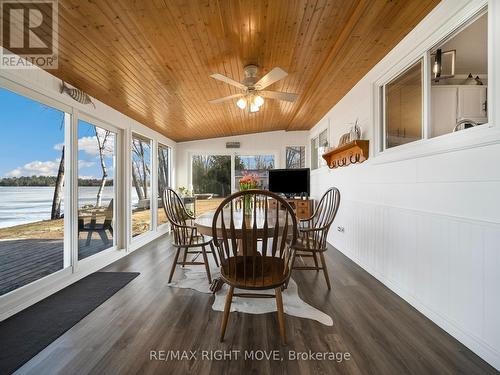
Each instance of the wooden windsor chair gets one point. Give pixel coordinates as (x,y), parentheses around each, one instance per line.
(185,234)
(255,249)
(313,232)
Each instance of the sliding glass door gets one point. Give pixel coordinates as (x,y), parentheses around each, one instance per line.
(212,175)
(32,190)
(211,179)
(163,179)
(141,185)
(60,188)
(96,188)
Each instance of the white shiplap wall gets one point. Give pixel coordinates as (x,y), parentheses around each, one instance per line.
(425,218)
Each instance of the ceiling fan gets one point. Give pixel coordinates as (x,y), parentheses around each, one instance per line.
(253,92)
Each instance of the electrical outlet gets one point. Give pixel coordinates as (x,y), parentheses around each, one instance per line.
(340,229)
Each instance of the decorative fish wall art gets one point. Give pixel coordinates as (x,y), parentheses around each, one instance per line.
(76,94)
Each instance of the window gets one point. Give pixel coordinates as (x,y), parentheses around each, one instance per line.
(314,153)
(96,189)
(253,164)
(163,179)
(318,148)
(295,156)
(323,145)
(403,107)
(211,179)
(141,185)
(459,80)
(32,190)
(454,91)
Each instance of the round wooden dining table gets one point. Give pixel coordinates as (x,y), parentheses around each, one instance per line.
(204,222)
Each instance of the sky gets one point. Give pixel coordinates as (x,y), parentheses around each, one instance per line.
(32,136)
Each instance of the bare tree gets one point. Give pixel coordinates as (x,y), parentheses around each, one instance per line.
(295,156)
(135,180)
(58,191)
(162,170)
(101,144)
(140,169)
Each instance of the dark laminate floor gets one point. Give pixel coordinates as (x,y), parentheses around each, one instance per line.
(382,333)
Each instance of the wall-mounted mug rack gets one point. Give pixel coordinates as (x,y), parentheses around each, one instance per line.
(350,153)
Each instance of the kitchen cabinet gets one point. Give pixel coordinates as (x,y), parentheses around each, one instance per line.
(451,103)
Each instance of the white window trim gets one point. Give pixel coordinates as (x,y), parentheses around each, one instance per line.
(232,154)
(313,136)
(45,93)
(274,154)
(296,145)
(117,182)
(153,202)
(381,89)
(485,134)
(169,182)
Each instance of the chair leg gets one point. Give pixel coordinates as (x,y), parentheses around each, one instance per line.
(207,267)
(174,265)
(184,258)
(315,261)
(104,236)
(292,264)
(227,310)
(325,271)
(89,238)
(213,253)
(281,315)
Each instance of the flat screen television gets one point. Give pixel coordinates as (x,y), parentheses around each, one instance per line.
(290,182)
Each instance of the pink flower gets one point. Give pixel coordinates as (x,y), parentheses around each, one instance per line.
(248,181)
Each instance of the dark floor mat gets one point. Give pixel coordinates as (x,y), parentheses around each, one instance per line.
(25,334)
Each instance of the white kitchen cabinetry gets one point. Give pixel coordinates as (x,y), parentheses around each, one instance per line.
(453,103)
(472,103)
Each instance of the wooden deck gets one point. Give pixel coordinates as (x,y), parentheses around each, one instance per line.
(23,261)
(27,260)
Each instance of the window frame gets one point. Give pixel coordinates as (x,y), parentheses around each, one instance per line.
(169,177)
(425,124)
(118,191)
(69,261)
(443,143)
(319,163)
(232,154)
(296,145)
(46,93)
(248,154)
(153,182)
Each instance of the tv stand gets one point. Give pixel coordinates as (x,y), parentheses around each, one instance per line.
(303,208)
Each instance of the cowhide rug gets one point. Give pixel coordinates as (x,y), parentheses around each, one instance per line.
(195,277)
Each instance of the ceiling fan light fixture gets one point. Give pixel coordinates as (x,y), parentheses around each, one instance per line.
(241,103)
(254,107)
(258,100)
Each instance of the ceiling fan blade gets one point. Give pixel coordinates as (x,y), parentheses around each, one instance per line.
(228,80)
(286,96)
(273,76)
(226,98)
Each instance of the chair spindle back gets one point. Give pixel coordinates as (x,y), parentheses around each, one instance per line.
(178,217)
(253,239)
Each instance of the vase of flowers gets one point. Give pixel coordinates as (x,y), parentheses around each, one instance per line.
(247,182)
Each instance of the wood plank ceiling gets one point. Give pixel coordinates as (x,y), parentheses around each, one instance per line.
(152,59)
